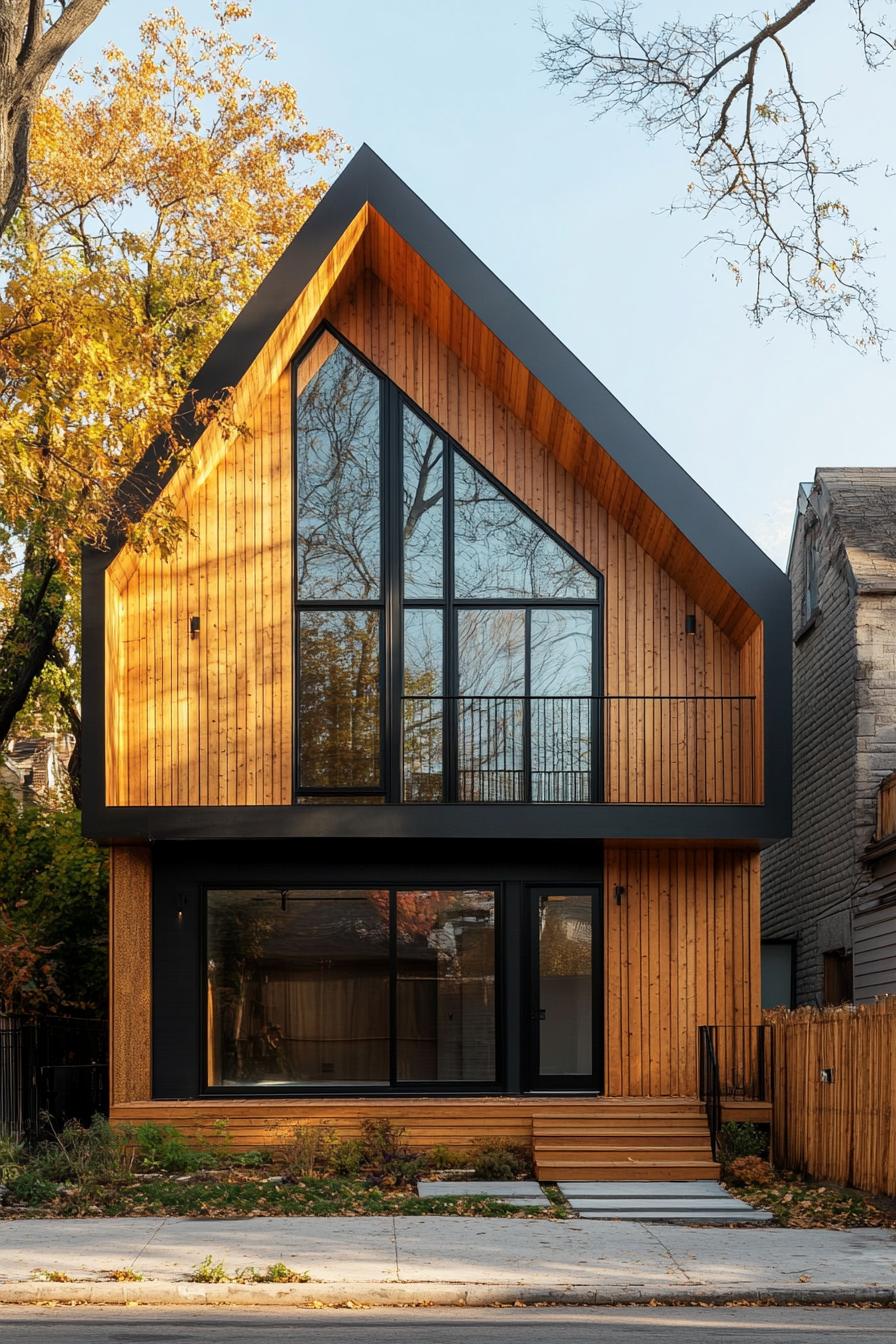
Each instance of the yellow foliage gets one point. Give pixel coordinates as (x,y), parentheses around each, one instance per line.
(163,187)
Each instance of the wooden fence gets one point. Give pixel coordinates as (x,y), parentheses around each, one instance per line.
(835,1093)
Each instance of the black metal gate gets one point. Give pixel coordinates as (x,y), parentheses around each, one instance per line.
(52,1069)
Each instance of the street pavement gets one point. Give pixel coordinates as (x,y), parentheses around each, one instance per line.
(568,1325)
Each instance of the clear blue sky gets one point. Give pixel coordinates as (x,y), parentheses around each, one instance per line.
(571,214)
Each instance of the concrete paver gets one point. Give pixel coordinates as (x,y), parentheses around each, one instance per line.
(664,1201)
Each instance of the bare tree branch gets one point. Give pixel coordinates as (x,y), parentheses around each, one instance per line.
(765,176)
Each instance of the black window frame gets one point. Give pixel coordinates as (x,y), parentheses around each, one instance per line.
(392,605)
(394,1087)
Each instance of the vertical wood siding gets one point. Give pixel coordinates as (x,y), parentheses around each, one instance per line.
(130,970)
(682,951)
(209,720)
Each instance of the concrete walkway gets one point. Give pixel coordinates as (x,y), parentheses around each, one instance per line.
(473,1261)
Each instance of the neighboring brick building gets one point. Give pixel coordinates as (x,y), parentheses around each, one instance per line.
(831,888)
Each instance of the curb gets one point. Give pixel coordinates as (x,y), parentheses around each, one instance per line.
(309,1295)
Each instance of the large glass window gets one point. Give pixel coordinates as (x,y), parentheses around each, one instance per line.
(298,988)
(337,476)
(339,698)
(423,471)
(446,986)
(499,551)
(447,640)
(303,991)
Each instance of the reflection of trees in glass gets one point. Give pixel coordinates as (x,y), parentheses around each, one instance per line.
(564,937)
(500,552)
(237,936)
(423,712)
(338,481)
(423,503)
(339,698)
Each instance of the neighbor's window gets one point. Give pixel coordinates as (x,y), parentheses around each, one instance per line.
(303,992)
(810,596)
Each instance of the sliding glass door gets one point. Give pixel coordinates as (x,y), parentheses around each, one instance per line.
(353,989)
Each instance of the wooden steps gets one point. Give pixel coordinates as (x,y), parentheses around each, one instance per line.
(636,1140)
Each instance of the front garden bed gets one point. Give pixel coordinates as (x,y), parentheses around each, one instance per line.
(152,1170)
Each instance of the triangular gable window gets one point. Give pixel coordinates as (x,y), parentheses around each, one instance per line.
(447,640)
(500,552)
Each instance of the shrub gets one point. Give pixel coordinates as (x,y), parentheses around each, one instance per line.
(385,1154)
(493,1160)
(125,1275)
(12,1158)
(85,1155)
(307,1151)
(164,1148)
(749,1170)
(255,1157)
(737,1139)
(30,1188)
(346,1157)
(442,1158)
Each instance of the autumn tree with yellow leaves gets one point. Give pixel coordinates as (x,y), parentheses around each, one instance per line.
(162,188)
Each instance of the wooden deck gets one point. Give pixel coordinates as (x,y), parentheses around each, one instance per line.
(571,1137)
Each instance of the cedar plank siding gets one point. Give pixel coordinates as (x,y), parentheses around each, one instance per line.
(216,711)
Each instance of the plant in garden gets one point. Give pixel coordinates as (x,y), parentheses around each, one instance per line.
(493,1160)
(307,1149)
(124,1275)
(741,1139)
(749,1171)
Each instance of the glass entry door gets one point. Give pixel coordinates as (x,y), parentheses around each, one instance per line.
(565,995)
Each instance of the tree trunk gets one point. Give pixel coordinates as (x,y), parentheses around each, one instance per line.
(30,50)
(28,642)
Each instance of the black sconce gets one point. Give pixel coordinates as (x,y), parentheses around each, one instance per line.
(194,627)
(619,893)
(690,624)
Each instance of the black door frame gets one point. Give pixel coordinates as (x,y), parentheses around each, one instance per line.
(533,1079)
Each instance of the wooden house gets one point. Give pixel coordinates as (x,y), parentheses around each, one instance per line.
(436,763)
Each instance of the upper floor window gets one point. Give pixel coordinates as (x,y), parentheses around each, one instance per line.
(447,640)
(810,591)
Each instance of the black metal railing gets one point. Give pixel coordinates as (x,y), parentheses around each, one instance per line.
(735,1064)
(52,1069)
(579,749)
(710,1087)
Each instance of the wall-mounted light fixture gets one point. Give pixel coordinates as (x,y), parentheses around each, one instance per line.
(194,627)
(619,893)
(690,624)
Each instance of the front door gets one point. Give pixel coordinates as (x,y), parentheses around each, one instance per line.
(565,993)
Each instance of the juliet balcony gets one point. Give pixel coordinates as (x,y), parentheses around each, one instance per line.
(668,749)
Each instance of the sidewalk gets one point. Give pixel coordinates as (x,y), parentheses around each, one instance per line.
(442,1261)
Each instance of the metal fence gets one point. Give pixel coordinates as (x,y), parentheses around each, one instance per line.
(52,1069)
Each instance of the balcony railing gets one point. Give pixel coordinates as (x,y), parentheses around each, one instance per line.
(686,749)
